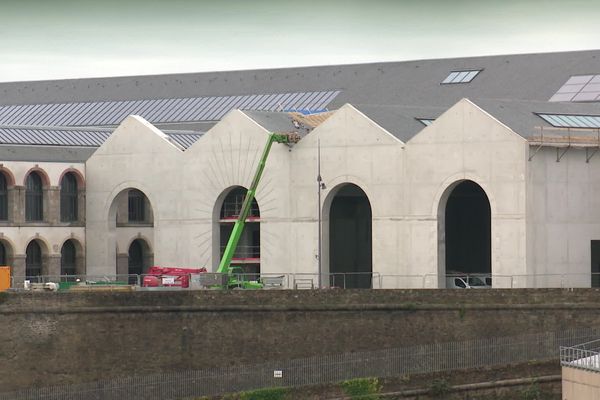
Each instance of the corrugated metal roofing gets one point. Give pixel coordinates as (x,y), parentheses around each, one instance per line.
(75,137)
(106,113)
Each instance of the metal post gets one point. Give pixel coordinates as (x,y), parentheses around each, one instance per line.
(319,180)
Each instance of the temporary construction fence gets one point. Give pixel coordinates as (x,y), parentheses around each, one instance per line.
(394,362)
(341,280)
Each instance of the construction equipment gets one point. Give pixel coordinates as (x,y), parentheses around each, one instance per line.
(235,273)
(169,276)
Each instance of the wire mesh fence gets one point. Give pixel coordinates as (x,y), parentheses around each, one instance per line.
(323,369)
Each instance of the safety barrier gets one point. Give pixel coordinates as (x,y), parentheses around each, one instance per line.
(348,280)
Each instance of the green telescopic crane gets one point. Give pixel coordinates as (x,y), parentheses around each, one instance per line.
(238,228)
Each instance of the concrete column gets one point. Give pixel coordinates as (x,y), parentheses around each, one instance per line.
(81,206)
(18,266)
(122,264)
(13,202)
(80,265)
(17,205)
(148,261)
(52,205)
(51,265)
(122,208)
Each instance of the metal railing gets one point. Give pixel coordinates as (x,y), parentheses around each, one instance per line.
(583,356)
(394,362)
(244,251)
(347,280)
(67,281)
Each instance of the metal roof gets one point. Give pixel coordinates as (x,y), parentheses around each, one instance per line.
(521,76)
(111,113)
(61,136)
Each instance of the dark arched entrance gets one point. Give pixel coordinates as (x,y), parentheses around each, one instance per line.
(350,239)
(136,258)
(3,256)
(68,259)
(468,239)
(33,261)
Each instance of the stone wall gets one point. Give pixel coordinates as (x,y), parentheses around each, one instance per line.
(51,338)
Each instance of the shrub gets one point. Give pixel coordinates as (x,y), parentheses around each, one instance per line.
(363,388)
(265,394)
(439,388)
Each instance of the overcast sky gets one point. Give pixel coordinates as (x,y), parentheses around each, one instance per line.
(51,39)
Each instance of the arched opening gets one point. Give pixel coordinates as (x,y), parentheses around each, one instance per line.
(130,212)
(465,227)
(3,197)
(247,254)
(68,259)
(350,239)
(68,198)
(3,255)
(34,198)
(139,257)
(33,261)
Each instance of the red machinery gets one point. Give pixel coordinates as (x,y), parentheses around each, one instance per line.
(169,276)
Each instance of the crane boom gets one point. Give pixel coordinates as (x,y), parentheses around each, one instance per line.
(240,222)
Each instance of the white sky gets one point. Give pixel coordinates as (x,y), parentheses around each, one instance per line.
(52,39)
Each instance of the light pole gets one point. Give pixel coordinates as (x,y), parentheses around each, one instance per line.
(320,186)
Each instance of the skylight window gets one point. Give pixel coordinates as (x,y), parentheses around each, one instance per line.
(465,76)
(571,121)
(425,121)
(579,88)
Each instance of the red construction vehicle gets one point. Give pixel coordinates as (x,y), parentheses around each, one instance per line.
(169,276)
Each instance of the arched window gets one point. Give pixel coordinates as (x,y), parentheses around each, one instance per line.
(68,198)
(3,198)
(68,259)
(33,259)
(34,198)
(137,208)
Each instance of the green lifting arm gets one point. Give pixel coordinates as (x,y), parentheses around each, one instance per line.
(238,228)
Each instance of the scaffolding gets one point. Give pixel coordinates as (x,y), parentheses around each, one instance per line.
(564,139)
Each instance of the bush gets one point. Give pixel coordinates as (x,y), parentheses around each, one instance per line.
(265,394)
(439,388)
(363,388)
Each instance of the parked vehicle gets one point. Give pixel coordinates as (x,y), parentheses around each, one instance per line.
(466,282)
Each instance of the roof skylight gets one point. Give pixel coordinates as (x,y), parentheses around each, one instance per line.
(579,88)
(464,76)
(571,121)
(425,121)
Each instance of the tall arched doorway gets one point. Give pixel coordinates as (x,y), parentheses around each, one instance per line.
(247,254)
(3,255)
(33,261)
(130,211)
(465,225)
(350,239)
(68,258)
(139,257)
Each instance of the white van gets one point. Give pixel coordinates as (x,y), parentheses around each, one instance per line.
(466,282)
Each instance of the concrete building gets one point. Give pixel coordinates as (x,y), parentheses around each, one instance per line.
(475,165)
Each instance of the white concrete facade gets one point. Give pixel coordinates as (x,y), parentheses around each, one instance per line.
(543,213)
